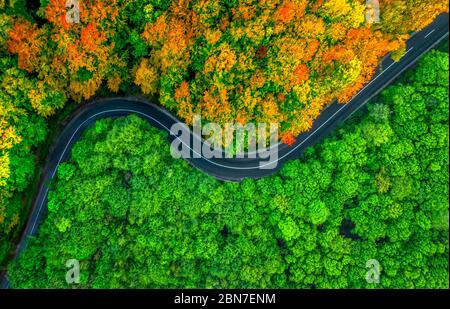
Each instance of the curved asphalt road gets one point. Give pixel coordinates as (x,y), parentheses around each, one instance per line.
(228,169)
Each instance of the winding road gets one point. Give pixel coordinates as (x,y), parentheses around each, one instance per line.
(227,169)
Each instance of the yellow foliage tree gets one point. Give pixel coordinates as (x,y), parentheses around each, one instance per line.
(147,77)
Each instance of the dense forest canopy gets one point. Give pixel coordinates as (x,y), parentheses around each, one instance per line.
(239,61)
(275,61)
(376,189)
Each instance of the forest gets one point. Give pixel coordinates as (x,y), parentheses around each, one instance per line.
(375,189)
(241,61)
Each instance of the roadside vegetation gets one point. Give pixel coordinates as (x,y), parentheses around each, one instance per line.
(278,61)
(377,188)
